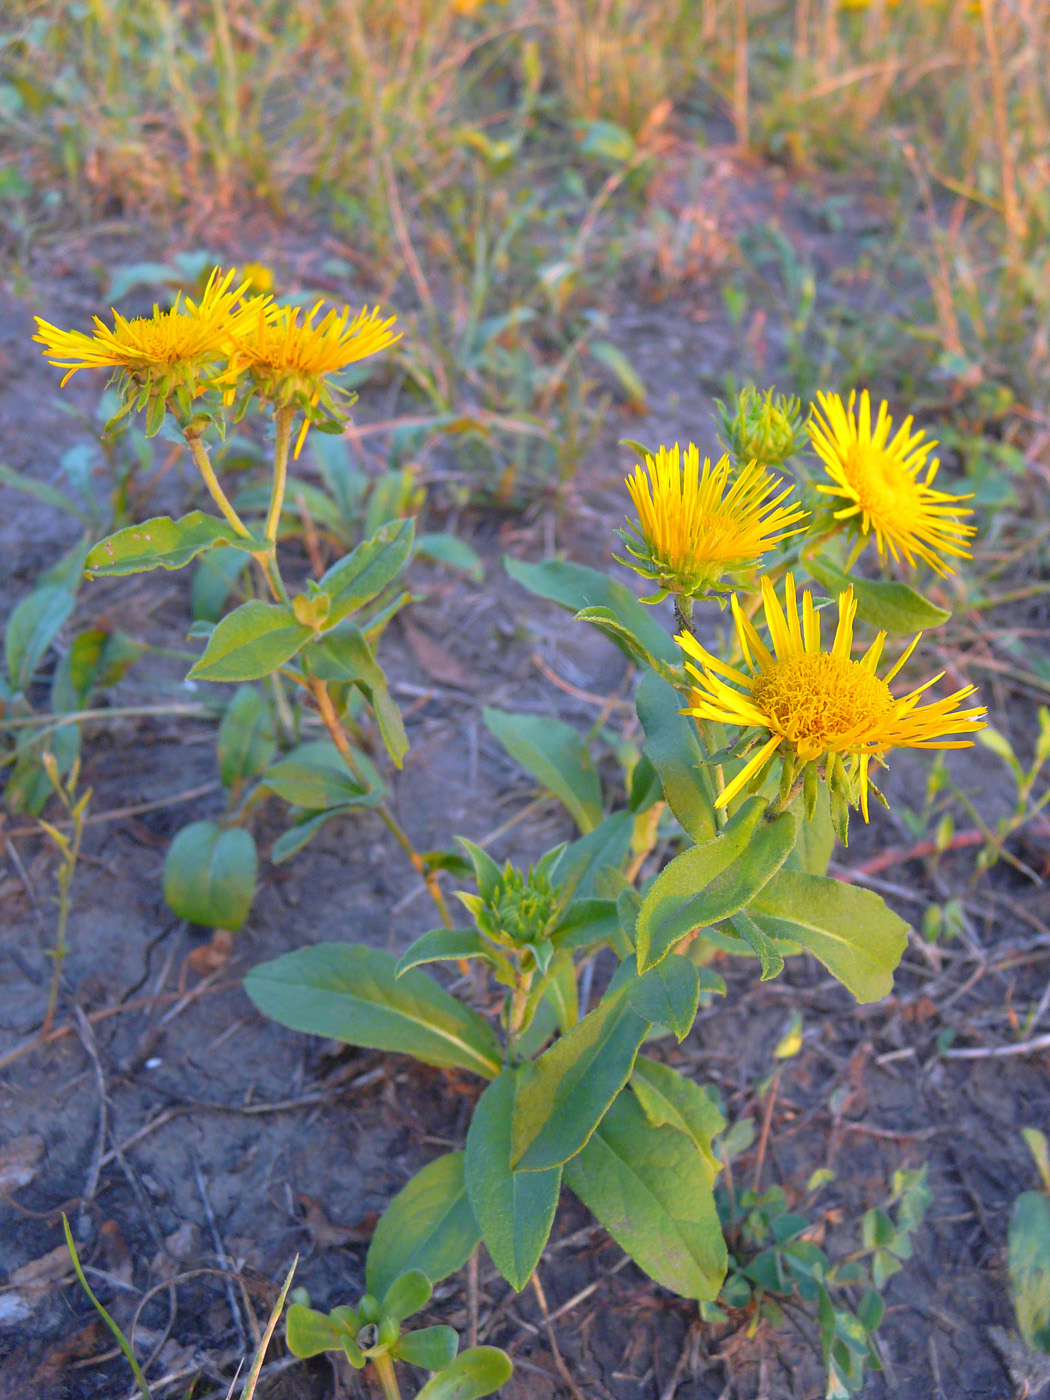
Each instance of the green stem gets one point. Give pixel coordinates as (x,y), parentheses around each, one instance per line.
(202,462)
(387,1376)
(331,721)
(283,419)
(519,998)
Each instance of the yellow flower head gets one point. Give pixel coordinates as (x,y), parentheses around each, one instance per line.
(179,342)
(877,480)
(816,704)
(289,357)
(696,525)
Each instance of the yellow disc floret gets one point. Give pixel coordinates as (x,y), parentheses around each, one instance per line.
(816,705)
(696,524)
(179,343)
(884,486)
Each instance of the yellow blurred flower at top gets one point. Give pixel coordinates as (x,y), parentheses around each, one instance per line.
(694,525)
(885,486)
(190,336)
(289,356)
(815,704)
(259,277)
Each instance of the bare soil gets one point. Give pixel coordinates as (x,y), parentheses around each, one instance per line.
(197,1148)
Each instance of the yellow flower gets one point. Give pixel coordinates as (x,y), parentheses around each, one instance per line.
(817,704)
(289,357)
(168,343)
(259,277)
(695,525)
(879,480)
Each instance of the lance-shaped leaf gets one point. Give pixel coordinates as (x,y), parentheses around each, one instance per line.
(247,740)
(343,654)
(429,1225)
(712,880)
(556,757)
(581,862)
(666,995)
(1028,1256)
(251,642)
(443,945)
(606,621)
(368,569)
(669,1099)
(574,586)
(209,875)
(573,1084)
(651,1189)
(514,1209)
(672,745)
(163,543)
(816,838)
(474,1373)
(33,625)
(308,778)
(759,942)
(893,607)
(352,993)
(850,930)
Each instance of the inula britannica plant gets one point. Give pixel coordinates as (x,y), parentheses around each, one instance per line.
(760,739)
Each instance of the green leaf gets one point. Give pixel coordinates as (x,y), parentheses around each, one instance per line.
(368,569)
(514,1209)
(666,995)
(651,1189)
(33,625)
(163,543)
(443,945)
(408,1293)
(309,778)
(429,1348)
(1028,1257)
(848,929)
(816,839)
(429,1225)
(713,880)
(556,757)
(605,141)
(308,1332)
(344,655)
(573,1084)
(669,1099)
(581,862)
(617,363)
(58,500)
(606,621)
(453,552)
(209,875)
(352,993)
(214,579)
(672,746)
(474,1373)
(247,739)
(574,586)
(760,944)
(251,642)
(585,921)
(892,607)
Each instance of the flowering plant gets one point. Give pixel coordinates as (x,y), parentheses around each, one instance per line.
(758,748)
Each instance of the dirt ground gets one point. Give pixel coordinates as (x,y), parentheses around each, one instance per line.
(197,1148)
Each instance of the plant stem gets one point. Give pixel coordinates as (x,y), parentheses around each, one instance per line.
(387,1376)
(202,462)
(283,420)
(516,1014)
(331,721)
